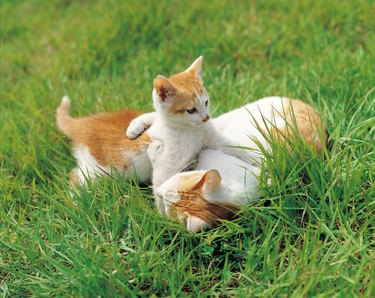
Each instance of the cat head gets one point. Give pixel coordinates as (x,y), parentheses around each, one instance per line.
(185,198)
(182,97)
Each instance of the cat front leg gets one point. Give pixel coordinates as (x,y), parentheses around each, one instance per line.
(163,163)
(139,125)
(155,152)
(166,166)
(155,149)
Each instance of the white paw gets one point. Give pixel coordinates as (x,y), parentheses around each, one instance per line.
(155,149)
(135,129)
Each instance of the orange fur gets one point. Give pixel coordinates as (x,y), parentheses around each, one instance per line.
(189,182)
(194,204)
(210,181)
(184,87)
(302,118)
(188,85)
(103,134)
(191,190)
(187,82)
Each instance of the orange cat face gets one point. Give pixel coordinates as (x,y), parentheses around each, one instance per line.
(184,198)
(182,96)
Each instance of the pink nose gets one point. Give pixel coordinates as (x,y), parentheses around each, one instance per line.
(205,119)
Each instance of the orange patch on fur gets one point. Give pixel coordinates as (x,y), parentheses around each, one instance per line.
(104,135)
(189,182)
(191,190)
(183,87)
(187,82)
(195,205)
(195,181)
(188,86)
(181,103)
(301,117)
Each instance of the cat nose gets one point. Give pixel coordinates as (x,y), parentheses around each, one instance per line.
(206,118)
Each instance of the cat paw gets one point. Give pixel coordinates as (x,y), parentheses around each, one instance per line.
(155,149)
(135,129)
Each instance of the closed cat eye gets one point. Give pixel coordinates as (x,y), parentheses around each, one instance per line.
(206,103)
(192,111)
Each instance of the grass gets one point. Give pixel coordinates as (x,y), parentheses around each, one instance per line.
(311,235)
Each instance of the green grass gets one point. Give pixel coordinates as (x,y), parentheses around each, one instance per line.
(311,235)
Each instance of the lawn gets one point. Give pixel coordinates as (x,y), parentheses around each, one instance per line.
(312,234)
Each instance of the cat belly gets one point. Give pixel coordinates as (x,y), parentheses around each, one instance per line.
(88,167)
(137,165)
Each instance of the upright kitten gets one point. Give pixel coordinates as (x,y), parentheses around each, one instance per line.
(180,126)
(222,183)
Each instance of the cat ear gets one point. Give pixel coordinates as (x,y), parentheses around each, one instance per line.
(164,88)
(213,180)
(196,67)
(209,181)
(195,224)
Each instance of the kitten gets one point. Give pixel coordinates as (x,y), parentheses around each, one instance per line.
(181,117)
(214,191)
(99,145)
(181,125)
(222,183)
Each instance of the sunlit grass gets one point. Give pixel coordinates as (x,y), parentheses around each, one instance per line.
(311,233)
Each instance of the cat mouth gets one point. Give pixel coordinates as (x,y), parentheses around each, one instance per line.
(204,121)
(206,118)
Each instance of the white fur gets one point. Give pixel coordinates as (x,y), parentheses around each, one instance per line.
(89,168)
(179,137)
(195,224)
(242,124)
(181,140)
(140,124)
(239,183)
(141,167)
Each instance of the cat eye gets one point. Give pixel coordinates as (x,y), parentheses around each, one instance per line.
(192,111)
(206,103)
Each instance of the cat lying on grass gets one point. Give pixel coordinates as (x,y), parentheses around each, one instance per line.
(181,126)
(180,129)
(221,183)
(99,145)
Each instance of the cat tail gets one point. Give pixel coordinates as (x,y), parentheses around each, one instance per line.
(64,121)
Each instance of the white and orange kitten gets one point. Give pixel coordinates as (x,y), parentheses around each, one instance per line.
(181,128)
(181,125)
(221,183)
(99,145)
(219,186)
